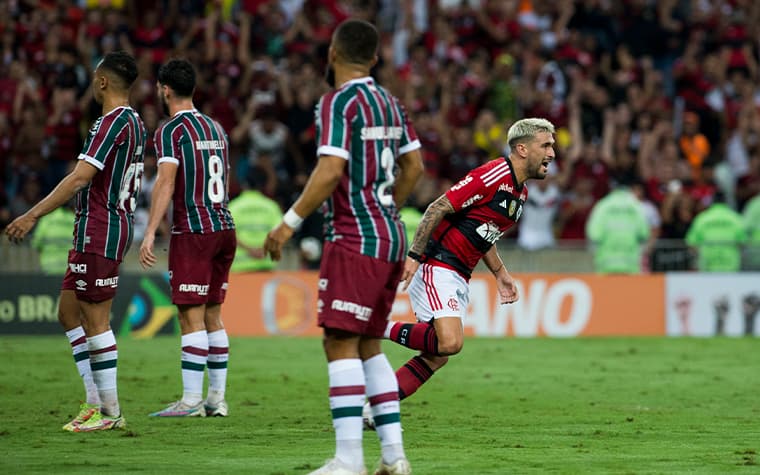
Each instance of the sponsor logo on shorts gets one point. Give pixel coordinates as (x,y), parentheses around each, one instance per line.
(453,304)
(194,288)
(78,268)
(112,282)
(322,284)
(359,311)
(81,285)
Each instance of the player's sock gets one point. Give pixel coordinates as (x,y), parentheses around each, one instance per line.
(218,354)
(412,375)
(417,336)
(78,342)
(103,358)
(382,392)
(346,401)
(194,356)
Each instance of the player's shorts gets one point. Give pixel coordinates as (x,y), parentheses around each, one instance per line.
(356,292)
(436,292)
(199,266)
(92,277)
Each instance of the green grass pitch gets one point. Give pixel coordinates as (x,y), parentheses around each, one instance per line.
(534,406)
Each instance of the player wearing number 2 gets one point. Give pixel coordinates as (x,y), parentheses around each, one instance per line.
(106,181)
(193,174)
(363,137)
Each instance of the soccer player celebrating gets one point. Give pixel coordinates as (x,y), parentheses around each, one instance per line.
(193,174)
(105,180)
(363,136)
(457,230)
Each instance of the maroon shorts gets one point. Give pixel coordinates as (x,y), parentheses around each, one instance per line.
(92,277)
(199,266)
(356,292)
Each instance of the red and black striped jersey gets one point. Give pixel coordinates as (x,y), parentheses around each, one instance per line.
(368,127)
(105,207)
(198,145)
(487,202)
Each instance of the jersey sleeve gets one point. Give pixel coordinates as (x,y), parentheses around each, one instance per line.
(333,121)
(409,140)
(471,189)
(104,135)
(167,149)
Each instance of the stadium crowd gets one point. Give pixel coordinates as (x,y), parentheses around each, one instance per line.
(659,95)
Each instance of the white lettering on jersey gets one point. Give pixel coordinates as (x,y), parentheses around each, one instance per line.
(109,282)
(78,268)
(471,200)
(506,187)
(209,145)
(489,231)
(381,133)
(464,181)
(194,288)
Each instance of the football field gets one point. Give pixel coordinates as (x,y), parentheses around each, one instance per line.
(503,406)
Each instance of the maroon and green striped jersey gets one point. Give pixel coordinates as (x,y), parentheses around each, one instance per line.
(198,145)
(105,207)
(368,127)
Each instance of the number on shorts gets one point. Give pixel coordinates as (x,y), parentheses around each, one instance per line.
(387,161)
(216,179)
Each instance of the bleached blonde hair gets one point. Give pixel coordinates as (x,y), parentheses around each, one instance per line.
(527,129)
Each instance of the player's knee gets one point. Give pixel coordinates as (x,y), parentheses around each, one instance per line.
(450,346)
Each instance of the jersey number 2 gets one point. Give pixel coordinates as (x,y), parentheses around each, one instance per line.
(387,161)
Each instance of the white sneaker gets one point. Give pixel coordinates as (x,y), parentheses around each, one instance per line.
(219,409)
(399,467)
(369,421)
(337,467)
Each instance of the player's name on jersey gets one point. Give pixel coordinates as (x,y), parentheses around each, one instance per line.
(209,145)
(377,133)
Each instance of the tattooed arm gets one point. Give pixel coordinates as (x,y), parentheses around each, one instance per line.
(432,217)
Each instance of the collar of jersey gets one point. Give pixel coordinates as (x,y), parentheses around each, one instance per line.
(183,111)
(365,79)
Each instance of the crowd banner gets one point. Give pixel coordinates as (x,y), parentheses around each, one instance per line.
(554,305)
(713,304)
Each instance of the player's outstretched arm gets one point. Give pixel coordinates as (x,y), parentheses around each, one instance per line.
(322,182)
(82,174)
(163,191)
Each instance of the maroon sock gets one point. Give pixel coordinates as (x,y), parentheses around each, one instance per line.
(411,376)
(417,336)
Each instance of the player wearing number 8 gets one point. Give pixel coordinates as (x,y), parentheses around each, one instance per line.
(193,173)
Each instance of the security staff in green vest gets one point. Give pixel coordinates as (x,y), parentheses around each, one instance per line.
(254,214)
(718,234)
(52,238)
(751,215)
(618,227)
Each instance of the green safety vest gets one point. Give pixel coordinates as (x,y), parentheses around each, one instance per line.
(53,238)
(718,233)
(255,215)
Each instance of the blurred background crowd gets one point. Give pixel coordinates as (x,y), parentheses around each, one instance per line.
(660,96)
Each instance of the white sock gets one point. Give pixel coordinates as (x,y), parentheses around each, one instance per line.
(346,401)
(382,392)
(103,358)
(388,328)
(78,342)
(194,356)
(218,355)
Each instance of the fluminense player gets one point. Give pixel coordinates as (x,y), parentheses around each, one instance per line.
(363,138)
(457,230)
(105,180)
(193,175)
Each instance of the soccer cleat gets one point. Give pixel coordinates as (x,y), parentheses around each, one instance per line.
(368,419)
(99,421)
(218,410)
(180,409)
(337,467)
(86,411)
(399,467)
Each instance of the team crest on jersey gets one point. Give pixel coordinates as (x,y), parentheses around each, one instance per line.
(515,210)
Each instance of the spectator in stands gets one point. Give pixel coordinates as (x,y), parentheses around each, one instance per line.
(539,217)
(751,215)
(693,144)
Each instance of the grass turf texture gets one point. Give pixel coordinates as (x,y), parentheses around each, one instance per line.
(503,406)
